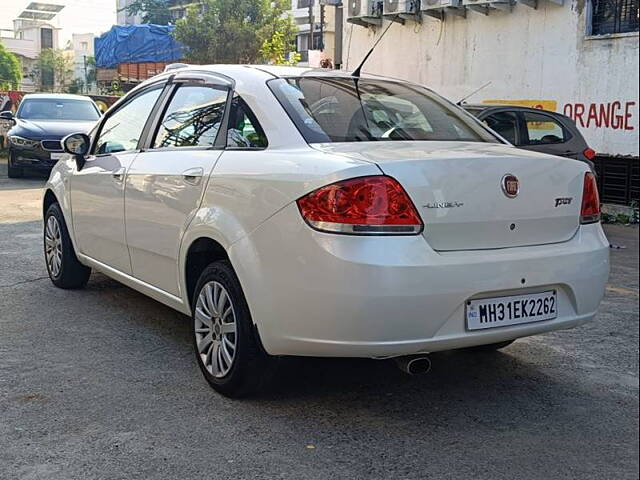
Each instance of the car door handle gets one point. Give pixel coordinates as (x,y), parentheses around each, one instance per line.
(193,175)
(118,175)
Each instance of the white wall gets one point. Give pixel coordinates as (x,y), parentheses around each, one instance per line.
(527,54)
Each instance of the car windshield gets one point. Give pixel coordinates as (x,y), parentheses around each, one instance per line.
(346,109)
(57,109)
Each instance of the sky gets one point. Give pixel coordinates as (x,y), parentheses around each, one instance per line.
(78,16)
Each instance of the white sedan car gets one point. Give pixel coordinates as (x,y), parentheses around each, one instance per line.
(291,211)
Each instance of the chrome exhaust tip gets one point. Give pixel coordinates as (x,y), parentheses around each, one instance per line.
(414,364)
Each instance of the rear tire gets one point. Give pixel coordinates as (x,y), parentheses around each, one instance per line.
(227,349)
(65,271)
(491,347)
(13,171)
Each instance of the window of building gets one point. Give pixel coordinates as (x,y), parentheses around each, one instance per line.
(46,38)
(84,46)
(193,118)
(304,42)
(614,16)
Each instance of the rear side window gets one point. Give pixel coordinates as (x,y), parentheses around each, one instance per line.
(244,129)
(344,109)
(543,129)
(192,118)
(505,124)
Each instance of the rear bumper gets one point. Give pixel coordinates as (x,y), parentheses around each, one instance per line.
(319,294)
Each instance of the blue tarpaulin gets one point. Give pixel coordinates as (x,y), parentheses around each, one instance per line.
(137,44)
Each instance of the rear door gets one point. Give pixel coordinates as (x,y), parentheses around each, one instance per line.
(546,134)
(166,181)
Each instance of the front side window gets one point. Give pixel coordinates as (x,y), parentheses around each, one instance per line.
(244,129)
(122,130)
(505,124)
(542,129)
(337,109)
(57,109)
(192,118)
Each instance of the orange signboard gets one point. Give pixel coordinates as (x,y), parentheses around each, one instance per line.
(550,105)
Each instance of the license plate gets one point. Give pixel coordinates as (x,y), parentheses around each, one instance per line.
(513,310)
(57,156)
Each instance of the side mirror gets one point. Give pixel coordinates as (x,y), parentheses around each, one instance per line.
(8,116)
(78,145)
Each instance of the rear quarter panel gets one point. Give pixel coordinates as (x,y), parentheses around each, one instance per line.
(247,187)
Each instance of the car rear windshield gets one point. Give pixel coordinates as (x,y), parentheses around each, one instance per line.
(57,109)
(338,109)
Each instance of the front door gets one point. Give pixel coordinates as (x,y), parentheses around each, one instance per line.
(166,182)
(97,191)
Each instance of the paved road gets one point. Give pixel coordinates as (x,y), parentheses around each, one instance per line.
(102,383)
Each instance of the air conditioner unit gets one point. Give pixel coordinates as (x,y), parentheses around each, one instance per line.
(400,7)
(439,4)
(364,12)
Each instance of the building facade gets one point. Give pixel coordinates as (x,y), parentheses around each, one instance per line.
(578,57)
(27,39)
(83,49)
(316,22)
(178,9)
(123,17)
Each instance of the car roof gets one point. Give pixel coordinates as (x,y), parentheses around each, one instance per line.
(266,72)
(57,96)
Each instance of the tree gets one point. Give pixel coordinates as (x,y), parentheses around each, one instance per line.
(76,86)
(10,70)
(278,34)
(275,52)
(152,11)
(233,31)
(53,69)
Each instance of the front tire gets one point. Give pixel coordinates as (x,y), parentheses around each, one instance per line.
(65,271)
(227,349)
(12,170)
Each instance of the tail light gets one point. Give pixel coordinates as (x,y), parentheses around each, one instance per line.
(589,153)
(590,212)
(376,205)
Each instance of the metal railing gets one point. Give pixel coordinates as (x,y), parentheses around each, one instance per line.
(614,16)
(618,179)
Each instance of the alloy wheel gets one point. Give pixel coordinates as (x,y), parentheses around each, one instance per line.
(53,246)
(215,329)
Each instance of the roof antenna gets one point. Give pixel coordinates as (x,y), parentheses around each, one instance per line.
(356,72)
(459,102)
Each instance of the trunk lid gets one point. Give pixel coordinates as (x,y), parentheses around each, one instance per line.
(457,189)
